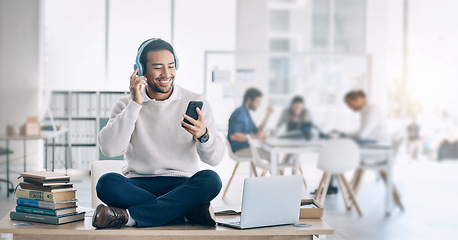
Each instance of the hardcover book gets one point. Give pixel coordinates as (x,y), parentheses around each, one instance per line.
(45,205)
(57,212)
(44,183)
(56,220)
(43,176)
(57,196)
(26,185)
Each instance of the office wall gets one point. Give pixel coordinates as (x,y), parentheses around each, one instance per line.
(252,35)
(376,39)
(384,44)
(131,23)
(75,44)
(201,25)
(19,69)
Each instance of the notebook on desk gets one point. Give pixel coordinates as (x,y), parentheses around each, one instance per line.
(269,201)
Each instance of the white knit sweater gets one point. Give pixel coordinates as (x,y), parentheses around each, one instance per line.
(153,140)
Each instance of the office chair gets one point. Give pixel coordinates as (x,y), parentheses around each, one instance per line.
(237,160)
(336,158)
(380,166)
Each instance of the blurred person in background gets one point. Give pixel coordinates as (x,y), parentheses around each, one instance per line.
(447,148)
(242,125)
(373,124)
(414,143)
(295,115)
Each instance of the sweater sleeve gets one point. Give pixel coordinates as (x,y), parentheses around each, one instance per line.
(114,138)
(212,151)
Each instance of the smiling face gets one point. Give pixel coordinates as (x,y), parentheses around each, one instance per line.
(160,71)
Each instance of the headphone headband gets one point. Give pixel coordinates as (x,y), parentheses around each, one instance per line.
(138,64)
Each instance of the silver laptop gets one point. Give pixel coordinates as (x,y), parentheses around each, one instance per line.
(269,201)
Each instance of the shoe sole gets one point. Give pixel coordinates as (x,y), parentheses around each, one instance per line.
(94,217)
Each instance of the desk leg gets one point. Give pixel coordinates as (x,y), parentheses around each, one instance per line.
(296,163)
(273,163)
(66,152)
(53,153)
(46,154)
(389,187)
(7,168)
(25,154)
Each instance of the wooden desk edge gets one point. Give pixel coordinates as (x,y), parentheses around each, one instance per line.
(85,228)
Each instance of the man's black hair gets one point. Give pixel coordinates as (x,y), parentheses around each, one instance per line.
(352,95)
(297,99)
(251,93)
(156,45)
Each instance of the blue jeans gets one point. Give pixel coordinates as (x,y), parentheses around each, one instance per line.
(157,201)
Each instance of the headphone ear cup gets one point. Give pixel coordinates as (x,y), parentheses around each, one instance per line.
(177,63)
(140,69)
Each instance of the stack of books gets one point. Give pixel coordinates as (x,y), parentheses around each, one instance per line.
(46,197)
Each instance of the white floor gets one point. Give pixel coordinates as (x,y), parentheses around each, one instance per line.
(429,192)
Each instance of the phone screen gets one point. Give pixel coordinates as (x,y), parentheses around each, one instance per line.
(191,110)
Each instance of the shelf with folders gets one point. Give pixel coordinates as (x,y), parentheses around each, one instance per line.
(107,100)
(84,113)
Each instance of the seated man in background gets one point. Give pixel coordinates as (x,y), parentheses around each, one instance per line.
(373,124)
(162,183)
(241,125)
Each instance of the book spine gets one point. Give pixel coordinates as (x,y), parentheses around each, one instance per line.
(27,202)
(35,203)
(35,210)
(33,218)
(35,195)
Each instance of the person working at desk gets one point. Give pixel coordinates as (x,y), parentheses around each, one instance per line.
(241,125)
(161,183)
(373,123)
(295,115)
(372,126)
(298,121)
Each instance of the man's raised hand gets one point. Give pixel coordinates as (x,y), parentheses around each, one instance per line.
(135,86)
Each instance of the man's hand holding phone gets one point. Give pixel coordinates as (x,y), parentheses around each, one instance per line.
(136,83)
(197,129)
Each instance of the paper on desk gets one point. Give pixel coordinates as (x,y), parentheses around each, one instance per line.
(89,211)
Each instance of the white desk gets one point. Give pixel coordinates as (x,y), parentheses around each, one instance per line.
(297,146)
(45,135)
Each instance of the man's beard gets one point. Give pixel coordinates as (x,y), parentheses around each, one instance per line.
(153,85)
(250,107)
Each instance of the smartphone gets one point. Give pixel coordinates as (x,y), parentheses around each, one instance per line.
(191,111)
